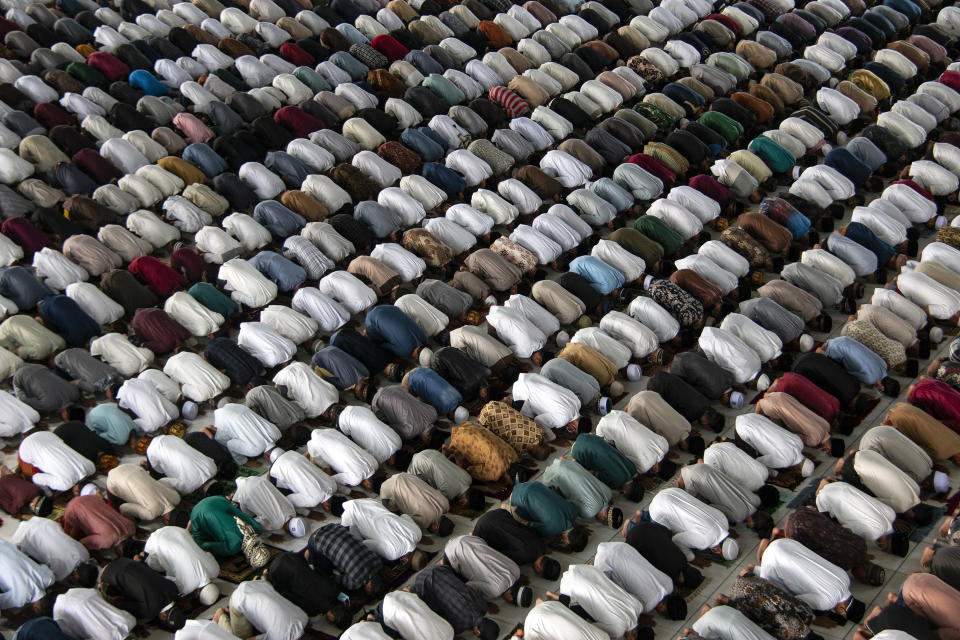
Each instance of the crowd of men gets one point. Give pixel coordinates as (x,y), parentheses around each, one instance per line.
(363,318)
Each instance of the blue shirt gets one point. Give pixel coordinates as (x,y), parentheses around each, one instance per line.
(293,170)
(601,276)
(280,221)
(205,158)
(146,82)
(859,360)
(66,317)
(286,274)
(111,423)
(612,193)
(428,148)
(41,629)
(394,330)
(427,385)
(345,369)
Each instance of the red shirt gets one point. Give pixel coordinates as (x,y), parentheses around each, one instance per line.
(159,278)
(25,234)
(939,400)
(95,523)
(390,47)
(300,123)
(160,332)
(810,395)
(295,54)
(188,263)
(654,166)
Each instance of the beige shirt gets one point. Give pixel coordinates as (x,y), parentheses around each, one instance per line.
(144,498)
(651,410)
(416,498)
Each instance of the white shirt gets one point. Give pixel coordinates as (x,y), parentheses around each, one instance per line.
(557,230)
(611,348)
(291,325)
(309,486)
(266,345)
(494,205)
(942,253)
(764,342)
(84,614)
(60,466)
(630,265)
(246,285)
(695,524)
(257,496)
(829,264)
(167,387)
(268,611)
(57,271)
(364,630)
(351,463)
(173,551)
(471,219)
(185,468)
(915,206)
(409,265)
(147,403)
(885,481)
(47,543)
(628,568)
(940,301)
(677,217)
(251,234)
(821,584)
(308,390)
(198,379)
(569,171)
(202,630)
(410,616)
(451,234)
(364,428)
(710,271)
(191,315)
(633,333)
(777,447)
(890,299)
(613,609)
(116,350)
(236,421)
(390,535)
(516,331)
(652,315)
(549,404)
(16,416)
(552,620)
(545,321)
(864,515)
(735,463)
(727,623)
(348,290)
(731,353)
(410,209)
(146,224)
(327,313)
(631,438)
(537,243)
(485,569)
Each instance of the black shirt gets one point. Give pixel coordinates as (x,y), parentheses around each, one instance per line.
(78,437)
(137,589)
(313,591)
(463,372)
(829,375)
(517,541)
(655,543)
(679,394)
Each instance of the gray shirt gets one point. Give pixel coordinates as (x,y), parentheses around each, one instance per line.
(569,376)
(268,402)
(92,375)
(407,415)
(440,472)
(770,315)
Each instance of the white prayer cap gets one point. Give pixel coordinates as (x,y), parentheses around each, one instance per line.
(461,414)
(562,339)
(189,410)
(936,335)
(426,356)
(941,482)
(763,382)
(806,469)
(616,389)
(941,222)
(490,301)
(634,372)
(88,489)
(297,527)
(276,453)
(806,342)
(646,282)
(730,549)
(736,400)
(603,406)
(209,594)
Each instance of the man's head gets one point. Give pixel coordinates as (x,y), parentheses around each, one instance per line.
(173,619)
(177,518)
(86,575)
(41,506)
(340,617)
(675,607)
(334,505)
(73,413)
(487,629)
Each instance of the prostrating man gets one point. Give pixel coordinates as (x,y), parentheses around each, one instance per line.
(719,490)
(181,466)
(863,514)
(46,542)
(695,525)
(48,462)
(23,581)
(407,616)
(414,497)
(871,471)
(550,620)
(354,565)
(314,591)
(393,537)
(213,525)
(256,606)
(489,572)
(727,623)
(611,607)
(141,591)
(305,484)
(821,584)
(98,526)
(519,542)
(173,551)
(458,603)
(352,464)
(592,497)
(438,471)
(257,496)
(84,613)
(140,495)
(548,513)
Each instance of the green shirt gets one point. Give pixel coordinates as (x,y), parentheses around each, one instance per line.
(213,526)
(658,231)
(546,511)
(638,244)
(213,299)
(723,124)
(576,484)
(599,456)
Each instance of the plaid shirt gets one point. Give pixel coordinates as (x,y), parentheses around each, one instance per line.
(516,429)
(369,56)
(444,592)
(353,562)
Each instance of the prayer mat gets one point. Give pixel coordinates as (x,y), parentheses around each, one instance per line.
(397,573)
(458,509)
(691,595)
(806,496)
(235,569)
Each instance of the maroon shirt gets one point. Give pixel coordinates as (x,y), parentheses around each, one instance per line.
(159,277)
(158,331)
(96,166)
(188,263)
(25,234)
(16,493)
(810,395)
(95,523)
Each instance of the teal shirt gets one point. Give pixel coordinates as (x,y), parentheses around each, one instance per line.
(599,456)
(547,512)
(111,423)
(213,526)
(213,299)
(579,486)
